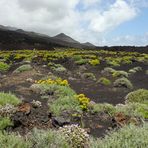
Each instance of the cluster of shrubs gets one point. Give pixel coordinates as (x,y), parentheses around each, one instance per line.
(73,136)
(136,104)
(122,78)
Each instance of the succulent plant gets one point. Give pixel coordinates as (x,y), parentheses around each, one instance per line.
(7,110)
(75,136)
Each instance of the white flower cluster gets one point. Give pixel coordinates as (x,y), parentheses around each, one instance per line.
(75,135)
(7,110)
(36,103)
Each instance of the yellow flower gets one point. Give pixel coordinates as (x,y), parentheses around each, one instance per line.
(58,81)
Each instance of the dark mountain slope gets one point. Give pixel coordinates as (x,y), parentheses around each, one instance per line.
(64,37)
(20,39)
(88,44)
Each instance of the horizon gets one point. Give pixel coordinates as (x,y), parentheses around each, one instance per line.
(103,23)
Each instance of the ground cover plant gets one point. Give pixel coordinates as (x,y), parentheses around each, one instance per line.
(4,67)
(72,98)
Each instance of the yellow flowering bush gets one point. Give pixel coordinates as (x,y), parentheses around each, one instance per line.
(57,81)
(84,101)
(94,62)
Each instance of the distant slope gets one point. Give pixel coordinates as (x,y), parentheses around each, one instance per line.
(7,28)
(64,37)
(88,44)
(20,39)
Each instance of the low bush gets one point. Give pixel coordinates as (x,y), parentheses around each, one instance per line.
(113,62)
(89,76)
(57,67)
(57,81)
(77,57)
(75,136)
(7,110)
(104,107)
(13,141)
(5,122)
(123,82)
(104,81)
(48,139)
(120,74)
(8,98)
(4,67)
(132,71)
(135,69)
(94,62)
(65,100)
(127,137)
(81,62)
(83,100)
(140,95)
(108,70)
(23,68)
(133,109)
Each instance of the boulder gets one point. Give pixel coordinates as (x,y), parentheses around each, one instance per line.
(60,121)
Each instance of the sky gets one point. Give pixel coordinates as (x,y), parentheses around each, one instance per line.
(101,22)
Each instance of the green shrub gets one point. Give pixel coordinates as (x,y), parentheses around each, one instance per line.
(8,98)
(23,68)
(48,139)
(127,137)
(132,71)
(13,141)
(135,69)
(113,63)
(77,57)
(104,107)
(140,95)
(63,97)
(123,82)
(133,109)
(104,81)
(120,74)
(5,122)
(108,70)
(57,67)
(4,67)
(65,100)
(89,76)
(81,62)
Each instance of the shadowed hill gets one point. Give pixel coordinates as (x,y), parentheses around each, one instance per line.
(20,39)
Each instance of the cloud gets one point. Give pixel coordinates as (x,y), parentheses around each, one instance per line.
(131,40)
(89,3)
(117,13)
(50,17)
(98,17)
